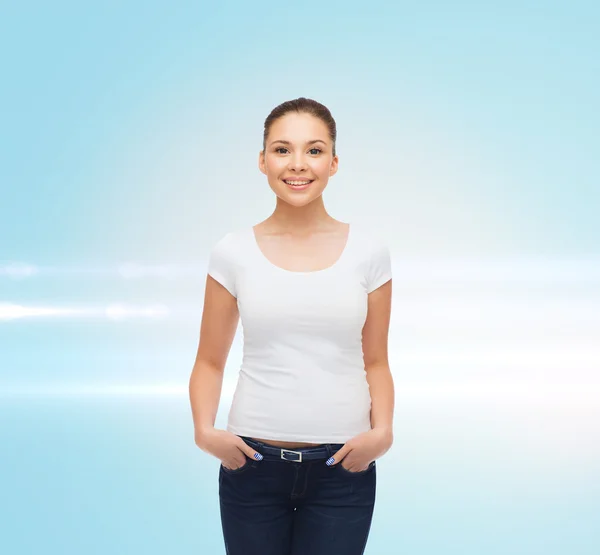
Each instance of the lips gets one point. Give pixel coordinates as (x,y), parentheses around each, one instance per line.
(305,185)
(300,180)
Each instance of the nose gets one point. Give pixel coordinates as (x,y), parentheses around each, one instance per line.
(297,162)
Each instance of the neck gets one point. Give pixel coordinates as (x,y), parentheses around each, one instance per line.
(299,219)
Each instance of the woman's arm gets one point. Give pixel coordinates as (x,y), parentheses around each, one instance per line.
(220,319)
(375,350)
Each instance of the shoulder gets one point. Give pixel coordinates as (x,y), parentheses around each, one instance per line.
(229,243)
(224,259)
(375,256)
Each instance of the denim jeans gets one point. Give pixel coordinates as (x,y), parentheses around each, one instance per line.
(282,507)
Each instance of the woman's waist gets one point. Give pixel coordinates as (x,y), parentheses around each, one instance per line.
(301,387)
(343,395)
(297,371)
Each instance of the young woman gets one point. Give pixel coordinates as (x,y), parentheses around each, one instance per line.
(314,402)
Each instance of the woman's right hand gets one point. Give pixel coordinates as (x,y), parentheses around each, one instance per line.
(230,449)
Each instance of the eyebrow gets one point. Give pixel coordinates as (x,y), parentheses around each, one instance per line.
(307,142)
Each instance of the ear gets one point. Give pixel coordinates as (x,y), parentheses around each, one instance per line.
(334,166)
(261,162)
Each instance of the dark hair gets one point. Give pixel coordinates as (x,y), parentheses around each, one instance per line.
(305,106)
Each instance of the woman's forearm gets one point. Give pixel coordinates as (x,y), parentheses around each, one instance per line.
(205,387)
(381,387)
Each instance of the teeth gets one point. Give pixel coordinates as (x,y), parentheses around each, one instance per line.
(297,182)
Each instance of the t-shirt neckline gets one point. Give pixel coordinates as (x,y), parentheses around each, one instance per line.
(280,269)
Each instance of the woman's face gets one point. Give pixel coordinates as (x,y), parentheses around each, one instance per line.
(290,152)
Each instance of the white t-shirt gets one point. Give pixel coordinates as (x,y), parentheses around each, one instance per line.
(302,376)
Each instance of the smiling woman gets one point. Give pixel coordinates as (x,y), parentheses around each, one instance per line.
(312,407)
(299,147)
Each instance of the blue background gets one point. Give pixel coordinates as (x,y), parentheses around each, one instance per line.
(467,137)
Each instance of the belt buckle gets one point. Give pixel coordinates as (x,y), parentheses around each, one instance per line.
(289,451)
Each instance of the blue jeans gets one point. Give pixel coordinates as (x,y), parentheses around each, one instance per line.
(279,506)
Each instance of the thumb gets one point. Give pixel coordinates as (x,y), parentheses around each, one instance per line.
(338,455)
(249,451)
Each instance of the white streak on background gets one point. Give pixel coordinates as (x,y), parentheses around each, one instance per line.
(559,357)
(113,312)
(136,270)
(480,269)
(14,311)
(526,392)
(91,389)
(126,270)
(404,268)
(19,270)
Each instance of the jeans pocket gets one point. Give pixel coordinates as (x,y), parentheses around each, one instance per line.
(239,470)
(359,473)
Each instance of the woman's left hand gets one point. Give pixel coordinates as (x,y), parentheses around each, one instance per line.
(364,448)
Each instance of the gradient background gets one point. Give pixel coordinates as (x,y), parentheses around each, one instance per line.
(467,136)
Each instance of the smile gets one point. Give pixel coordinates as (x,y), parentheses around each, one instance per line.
(298,185)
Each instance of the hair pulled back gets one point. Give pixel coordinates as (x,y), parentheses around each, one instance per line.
(302,106)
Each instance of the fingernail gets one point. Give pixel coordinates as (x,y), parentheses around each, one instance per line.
(330,461)
(258,456)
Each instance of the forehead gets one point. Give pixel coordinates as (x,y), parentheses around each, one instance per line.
(294,125)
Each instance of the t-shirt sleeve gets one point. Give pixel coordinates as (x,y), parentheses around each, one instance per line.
(379,270)
(221,264)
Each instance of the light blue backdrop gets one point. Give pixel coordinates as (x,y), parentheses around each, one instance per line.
(129,140)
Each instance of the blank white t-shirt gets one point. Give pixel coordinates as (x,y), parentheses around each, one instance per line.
(302,376)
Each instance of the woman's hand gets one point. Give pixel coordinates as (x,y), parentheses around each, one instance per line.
(364,448)
(230,449)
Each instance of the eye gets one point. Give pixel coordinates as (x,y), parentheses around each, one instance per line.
(283,148)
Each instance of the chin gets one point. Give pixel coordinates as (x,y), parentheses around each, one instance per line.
(295,201)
